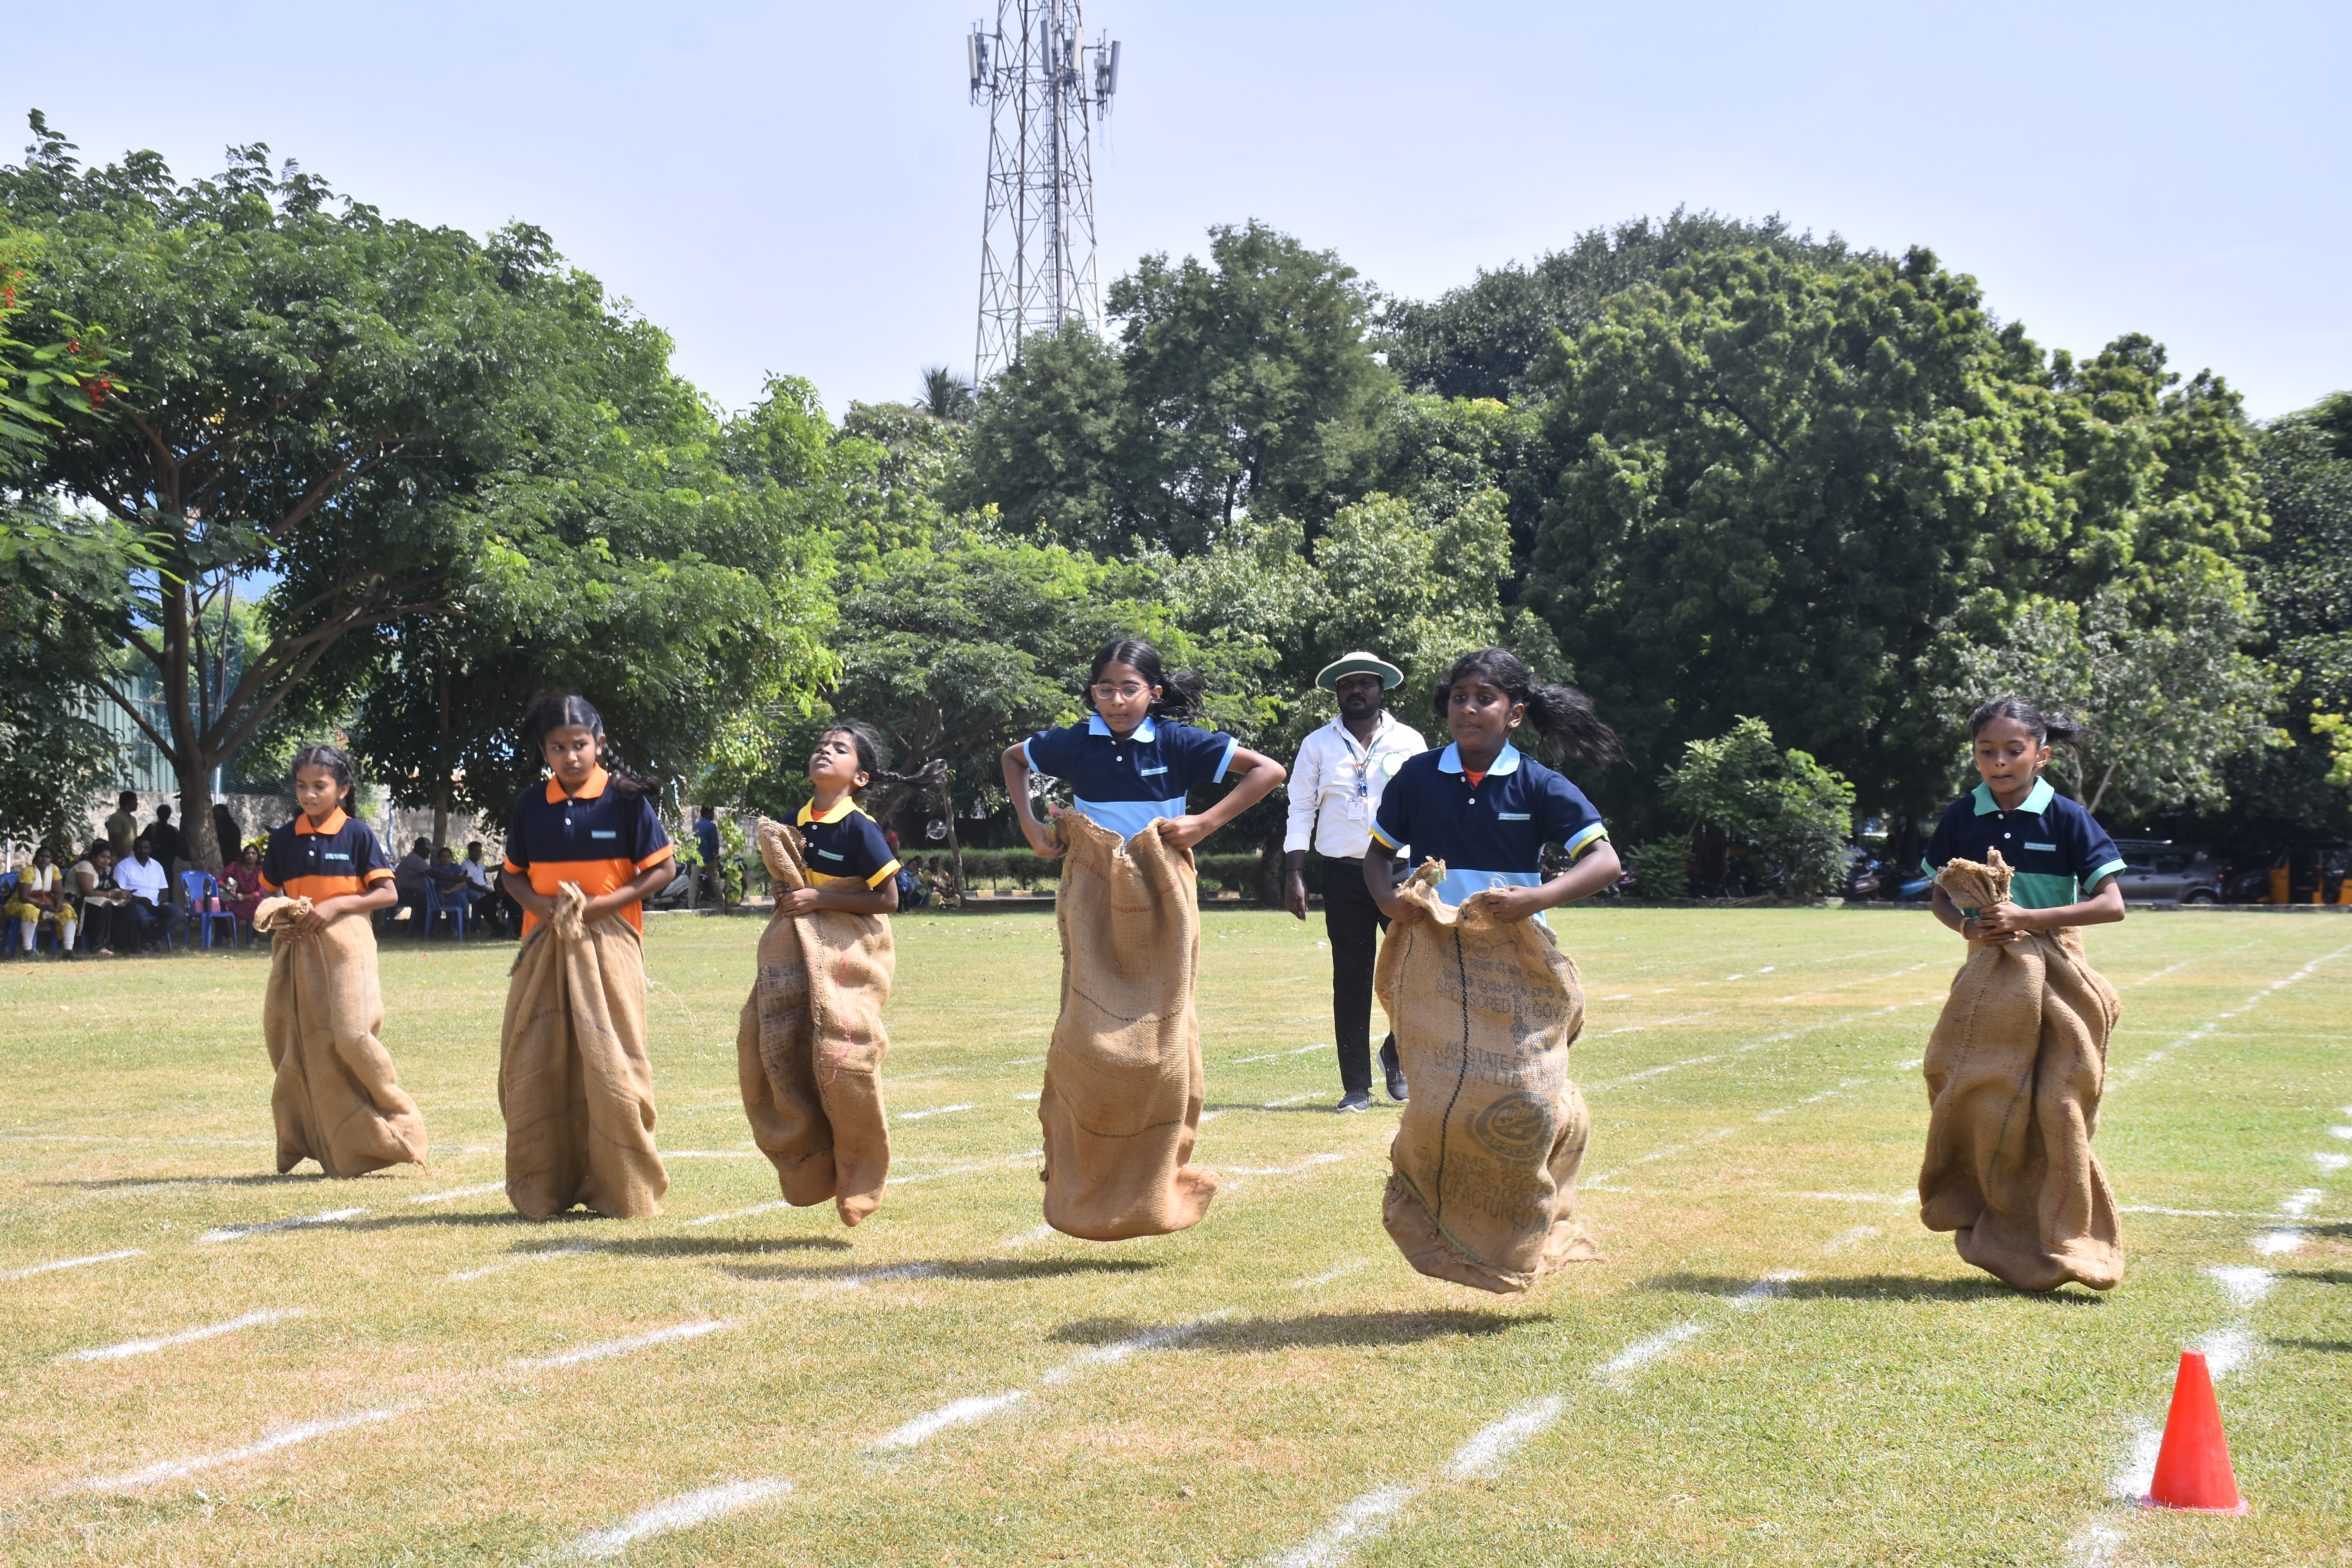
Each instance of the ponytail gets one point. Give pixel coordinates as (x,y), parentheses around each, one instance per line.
(1562,715)
(1182,693)
(553,710)
(924,779)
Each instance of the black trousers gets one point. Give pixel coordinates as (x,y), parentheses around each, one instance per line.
(1354,923)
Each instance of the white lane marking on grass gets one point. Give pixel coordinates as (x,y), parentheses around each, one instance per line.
(955,1413)
(1033,1094)
(574,1250)
(2245,1283)
(741,1214)
(1491,1445)
(2138,1473)
(1042,1233)
(2227,1349)
(883,1276)
(936,1110)
(1914,1062)
(2271,1244)
(1642,1352)
(1853,1238)
(75,1263)
(2340,1132)
(233,1232)
(1277,1056)
(622,1347)
(1210,1116)
(129,1348)
(460,1193)
(2216,1214)
(1278,1104)
(2331,1164)
(1361,1520)
(1859,1197)
(283,1438)
(2295,1206)
(1111,1354)
(1341,1272)
(712,1154)
(1670,1067)
(2118,1080)
(678,1513)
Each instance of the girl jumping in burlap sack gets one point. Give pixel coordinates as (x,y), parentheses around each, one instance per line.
(808,1051)
(336,1098)
(1484,1002)
(583,852)
(2016,1063)
(1121,1105)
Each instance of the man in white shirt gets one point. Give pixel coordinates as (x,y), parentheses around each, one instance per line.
(1335,792)
(143,878)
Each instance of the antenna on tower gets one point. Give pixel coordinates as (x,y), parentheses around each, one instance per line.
(1045,87)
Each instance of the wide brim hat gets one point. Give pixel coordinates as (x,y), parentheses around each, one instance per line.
(1359,663)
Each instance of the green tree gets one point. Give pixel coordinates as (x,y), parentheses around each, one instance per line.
(2302,575)
(311,390)
(1047,440)
(946,395)
(1488,340)
(1782,484)
(2165,704)
(1794,815)
(1250,383)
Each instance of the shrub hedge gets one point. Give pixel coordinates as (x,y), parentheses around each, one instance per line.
(1028,870)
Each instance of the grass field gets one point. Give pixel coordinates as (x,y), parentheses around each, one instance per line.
(1773,1363)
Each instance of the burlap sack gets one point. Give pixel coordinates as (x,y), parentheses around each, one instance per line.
(2014,1070)
(574,1083)
(808,1051)
(1121,1105)
(1483,1189)
(336,1100)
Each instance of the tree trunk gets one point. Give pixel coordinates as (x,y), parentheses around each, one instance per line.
(196,819)
(955,844)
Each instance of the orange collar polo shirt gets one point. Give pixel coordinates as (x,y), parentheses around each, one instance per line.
(316,863)
(597,839)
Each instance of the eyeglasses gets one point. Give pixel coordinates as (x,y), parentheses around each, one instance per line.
(1105,692)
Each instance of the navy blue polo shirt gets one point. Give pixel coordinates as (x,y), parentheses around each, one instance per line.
(597,839)
(846,845)
(1127,783)
(1490,832)
(2056,848)
(316,863)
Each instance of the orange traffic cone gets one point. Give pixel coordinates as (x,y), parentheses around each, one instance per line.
(2192,1468)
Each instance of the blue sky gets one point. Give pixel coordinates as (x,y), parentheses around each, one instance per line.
(797,188)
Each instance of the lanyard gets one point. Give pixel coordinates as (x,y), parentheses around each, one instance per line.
(1361,764)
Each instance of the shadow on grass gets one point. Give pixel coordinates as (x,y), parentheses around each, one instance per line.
(1309,1330)
(1871,1288)
(2317,1276)
(717,1246)
(2333,1347)
(982,1269)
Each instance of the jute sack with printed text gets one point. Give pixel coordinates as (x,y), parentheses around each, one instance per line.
(2014,1070)
(574,1082)
(1483,1187)
(808,1050)
(1121,1106)
(336,1098)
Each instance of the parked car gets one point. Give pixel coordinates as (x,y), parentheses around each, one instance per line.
(2158,868)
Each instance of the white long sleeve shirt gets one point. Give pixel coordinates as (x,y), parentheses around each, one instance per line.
(1335,784)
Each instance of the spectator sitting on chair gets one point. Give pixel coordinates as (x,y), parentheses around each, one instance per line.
(91,887)
(450,884)
(478,876)
(153,914)
(122,827)
(240,884)
(409,877)
(38,898)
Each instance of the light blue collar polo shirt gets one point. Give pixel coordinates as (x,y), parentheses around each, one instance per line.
(1490,830)
(2057,849)
(1127,783)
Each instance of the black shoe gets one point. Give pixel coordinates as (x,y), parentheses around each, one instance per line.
(1355,1100)
(1393,1070)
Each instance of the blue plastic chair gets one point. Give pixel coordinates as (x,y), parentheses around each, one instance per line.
(197,887)
(455,906)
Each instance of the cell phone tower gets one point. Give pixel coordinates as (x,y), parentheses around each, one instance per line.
(1041,81)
